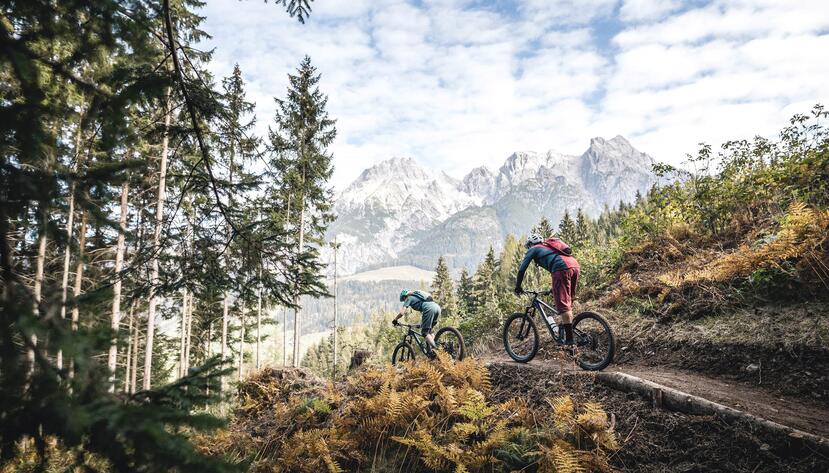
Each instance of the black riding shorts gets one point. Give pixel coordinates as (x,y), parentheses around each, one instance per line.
(428,319)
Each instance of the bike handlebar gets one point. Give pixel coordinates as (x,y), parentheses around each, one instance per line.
(407,325)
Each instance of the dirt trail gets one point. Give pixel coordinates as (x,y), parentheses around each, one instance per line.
(659,440)
(791,412)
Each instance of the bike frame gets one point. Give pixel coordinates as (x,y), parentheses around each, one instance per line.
(412,335)
(537,304)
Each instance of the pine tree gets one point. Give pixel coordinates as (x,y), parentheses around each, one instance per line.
(443,290)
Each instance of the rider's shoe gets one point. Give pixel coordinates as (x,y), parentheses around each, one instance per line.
(569,347)
(431,354)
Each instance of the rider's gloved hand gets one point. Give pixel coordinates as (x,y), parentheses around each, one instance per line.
(395,322)
(518,291)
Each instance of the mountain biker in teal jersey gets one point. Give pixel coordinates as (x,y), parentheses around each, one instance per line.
(556,257)
(422,302)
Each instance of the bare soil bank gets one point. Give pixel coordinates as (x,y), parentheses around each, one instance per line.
(656,440)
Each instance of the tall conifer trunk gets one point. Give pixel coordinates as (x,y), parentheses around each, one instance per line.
(182,334)
(296,299)
(285,311)
(79,267)
(188,337)
(226,302)
(128,356)
(70,222)
(38,282)
(258,318)
(116,288)
(285,336)
(241,341)
(159,222)
(135,350)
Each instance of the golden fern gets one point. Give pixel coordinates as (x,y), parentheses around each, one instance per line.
(561,457)
(438,409)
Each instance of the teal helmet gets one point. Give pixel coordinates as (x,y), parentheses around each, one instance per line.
(404,294)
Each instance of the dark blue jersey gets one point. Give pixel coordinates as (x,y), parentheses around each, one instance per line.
(544,257)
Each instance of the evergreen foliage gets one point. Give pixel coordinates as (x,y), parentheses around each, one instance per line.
(443,290)
(567,228)
(98,94)
(464,294)
(299,140)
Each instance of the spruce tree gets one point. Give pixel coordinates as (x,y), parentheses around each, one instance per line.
(543,228)
(484,283)
(583,230)
(567,228)
(300,140)
(443,290)
(464,294)
(509,259)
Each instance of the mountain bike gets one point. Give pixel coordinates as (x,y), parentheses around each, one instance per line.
(593,339)
(448,339)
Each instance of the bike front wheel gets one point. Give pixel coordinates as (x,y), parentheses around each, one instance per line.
(595,341)
(520,337)
(402,352)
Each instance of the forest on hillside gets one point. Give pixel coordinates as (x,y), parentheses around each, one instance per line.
(145,228)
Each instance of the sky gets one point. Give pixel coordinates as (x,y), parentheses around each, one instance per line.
(458,84)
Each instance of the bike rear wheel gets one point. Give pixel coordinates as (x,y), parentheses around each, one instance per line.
(595,341)
(402,352)
(520,337)
(450,340)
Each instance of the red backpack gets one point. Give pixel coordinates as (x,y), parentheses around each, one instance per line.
(557,246)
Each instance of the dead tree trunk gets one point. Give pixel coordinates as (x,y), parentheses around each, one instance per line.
(156,249)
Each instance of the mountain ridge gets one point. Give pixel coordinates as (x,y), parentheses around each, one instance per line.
(399,212)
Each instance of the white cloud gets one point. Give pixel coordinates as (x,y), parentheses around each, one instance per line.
(459,83)
(639,10)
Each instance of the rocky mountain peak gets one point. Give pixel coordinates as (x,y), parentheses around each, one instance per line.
(617,148)
(479,182)
(396,166)
(398,211)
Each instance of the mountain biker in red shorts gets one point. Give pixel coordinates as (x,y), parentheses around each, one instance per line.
(556,257)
